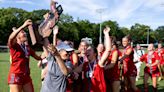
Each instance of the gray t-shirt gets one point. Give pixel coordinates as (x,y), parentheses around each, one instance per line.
(55,80)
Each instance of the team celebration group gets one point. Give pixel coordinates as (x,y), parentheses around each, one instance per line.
(104,68)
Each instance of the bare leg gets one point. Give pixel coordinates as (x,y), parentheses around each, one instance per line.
(146,77)
(15,88)
(160,71)
(154,81)
(126,82)
(115,86)
(28,87)
(133,84)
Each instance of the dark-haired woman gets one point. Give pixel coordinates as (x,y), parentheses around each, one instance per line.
(112,72)
(94,69)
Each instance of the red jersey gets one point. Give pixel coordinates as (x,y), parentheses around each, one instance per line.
(70,79)
(113,73)
(160,52)
(153,59)
(129,67)
(96,83)
(20,59)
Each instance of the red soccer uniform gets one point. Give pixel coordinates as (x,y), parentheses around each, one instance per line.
(154,71)
(129,67)
(161,55)
(113,74)
(97,82)
(19,69)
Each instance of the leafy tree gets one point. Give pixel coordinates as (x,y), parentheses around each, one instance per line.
(159,33)
(65,18)
(75,30)
(138,33)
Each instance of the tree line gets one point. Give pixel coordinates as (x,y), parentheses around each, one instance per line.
(76,30)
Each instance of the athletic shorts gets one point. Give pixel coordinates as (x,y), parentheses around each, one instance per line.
(131,72)
(112,77)
(154,73)
(129,69)
(20,79)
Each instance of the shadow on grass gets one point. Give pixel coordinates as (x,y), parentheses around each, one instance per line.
(4,60)
(141,87)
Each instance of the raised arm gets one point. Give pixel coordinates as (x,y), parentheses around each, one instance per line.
(45,45)
(45,50)
(16,31)
(59,60)
(55,32)
(107,47)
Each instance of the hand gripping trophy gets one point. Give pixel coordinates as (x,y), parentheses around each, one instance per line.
(45,28)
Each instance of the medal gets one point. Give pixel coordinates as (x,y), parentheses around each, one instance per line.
(90,74)
(24,48)
(91,70)
(150,62)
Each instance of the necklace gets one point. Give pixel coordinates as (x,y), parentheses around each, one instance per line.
(91,69)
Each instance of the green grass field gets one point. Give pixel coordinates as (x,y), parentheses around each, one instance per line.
(35,74)
(4,68)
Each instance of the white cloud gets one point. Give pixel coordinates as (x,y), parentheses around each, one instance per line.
(86,9)
(1,1)
(153,3)
(122,10)
(128,12)
(24,2)
(125,12)
(17,2)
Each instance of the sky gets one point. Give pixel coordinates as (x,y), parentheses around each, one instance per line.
(125,12)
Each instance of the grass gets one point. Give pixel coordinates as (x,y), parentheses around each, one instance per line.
(140,84)
(35,74)
(4,68)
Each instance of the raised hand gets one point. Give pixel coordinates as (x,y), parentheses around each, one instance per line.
(79,68)
(52,49)
(27,22)
(14,28)
(46,16)
(55,30)
(106,30)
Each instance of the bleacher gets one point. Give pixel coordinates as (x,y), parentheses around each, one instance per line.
(4,48)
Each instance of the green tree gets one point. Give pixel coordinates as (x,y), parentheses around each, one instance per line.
(75,30)
(138,33)
(115,30)
(65,18)
(159,33)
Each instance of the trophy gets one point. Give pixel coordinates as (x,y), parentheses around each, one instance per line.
(39,32)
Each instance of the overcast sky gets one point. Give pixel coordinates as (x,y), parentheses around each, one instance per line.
(125,12)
